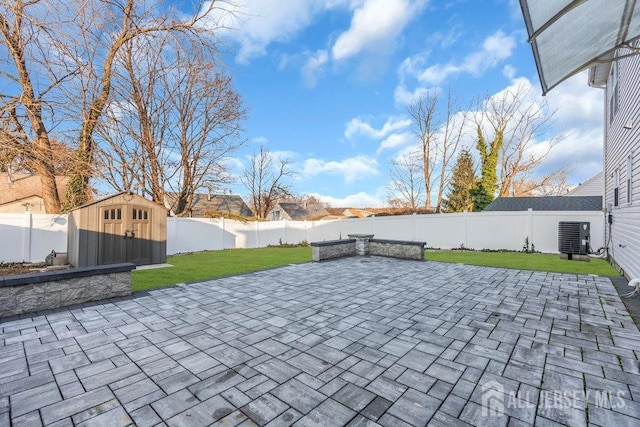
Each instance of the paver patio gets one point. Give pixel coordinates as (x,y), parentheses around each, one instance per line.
(358,341)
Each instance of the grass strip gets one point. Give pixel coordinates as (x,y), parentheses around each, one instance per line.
(524,261)
(209,265)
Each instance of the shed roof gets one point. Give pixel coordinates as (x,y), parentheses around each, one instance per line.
(111,196)
(547,203)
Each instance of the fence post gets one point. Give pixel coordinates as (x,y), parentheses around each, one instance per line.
(530,225)
(27,226)
(257,228)
(285,231)
(222,233)
(413,226)
(466,229)
(176,233)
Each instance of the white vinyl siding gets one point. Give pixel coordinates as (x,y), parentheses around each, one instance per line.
(616,188)
(613,92)
(621,162)
(629,180)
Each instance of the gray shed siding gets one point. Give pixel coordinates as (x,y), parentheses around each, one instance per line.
(622,143)
(84,228)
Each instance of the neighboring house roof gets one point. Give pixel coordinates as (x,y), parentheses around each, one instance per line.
(22,186)
(225,203)
(335,211)
(547,203)
(357,213)
(591,187)
(301,211)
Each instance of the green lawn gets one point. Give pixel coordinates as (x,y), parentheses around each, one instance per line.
(208,265)
(524,261)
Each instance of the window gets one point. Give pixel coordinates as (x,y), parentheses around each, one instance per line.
(629,176)
(612,91)
(616,187)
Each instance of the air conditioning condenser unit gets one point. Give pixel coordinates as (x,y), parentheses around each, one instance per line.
(573,237)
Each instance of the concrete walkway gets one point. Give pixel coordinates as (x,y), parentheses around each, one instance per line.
(359,341)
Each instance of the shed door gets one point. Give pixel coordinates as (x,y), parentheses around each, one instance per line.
(112,246)
(139,236)
(125,234)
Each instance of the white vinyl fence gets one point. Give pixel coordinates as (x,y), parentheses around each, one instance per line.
(31,237)
(27,237)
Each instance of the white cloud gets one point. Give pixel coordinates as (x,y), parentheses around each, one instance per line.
(279,155)
(397,140)
(255,24)
(578,104)
(509,71)
(235,164)
(260,140)
(577,125)
(579,120)
(351,169)
(313,67)
(358,200)
(495,48)
(357,127)
(375,25)
(402,96)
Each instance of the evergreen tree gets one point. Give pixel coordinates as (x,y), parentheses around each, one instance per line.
(489,153)
(463,181)
(481,197)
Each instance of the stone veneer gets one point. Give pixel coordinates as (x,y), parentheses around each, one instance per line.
(331,249)
(26,293)
(363,245)
(397,249)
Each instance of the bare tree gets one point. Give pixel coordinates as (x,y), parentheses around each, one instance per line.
(451,134)
(551,184)
(407,181)
(440,130)
(59,69)
(180,119)
(24,128)
(126,21)
(266,181)
(426,123)
(514,125)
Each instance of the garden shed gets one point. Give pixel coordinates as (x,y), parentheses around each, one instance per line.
(123,227)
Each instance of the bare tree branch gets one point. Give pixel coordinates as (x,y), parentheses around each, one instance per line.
(266,181)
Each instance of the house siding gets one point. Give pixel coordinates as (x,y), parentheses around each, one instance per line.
(591,187)
(620,143)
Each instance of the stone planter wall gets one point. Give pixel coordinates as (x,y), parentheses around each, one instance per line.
(27,293)
(397,249)
(363,245)
(331,249)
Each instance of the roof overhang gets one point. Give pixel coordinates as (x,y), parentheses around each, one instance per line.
(569,36)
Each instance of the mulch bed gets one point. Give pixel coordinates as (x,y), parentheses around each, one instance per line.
(12,268)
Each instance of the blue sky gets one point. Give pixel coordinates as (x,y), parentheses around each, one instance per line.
(327,84)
